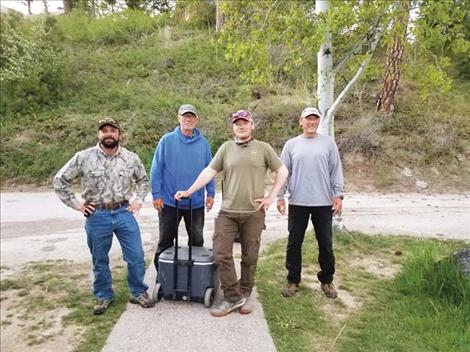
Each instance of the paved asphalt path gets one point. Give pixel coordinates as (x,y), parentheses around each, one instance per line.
(36,226)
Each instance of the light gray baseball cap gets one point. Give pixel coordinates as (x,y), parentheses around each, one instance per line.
(187,108)
(310,111)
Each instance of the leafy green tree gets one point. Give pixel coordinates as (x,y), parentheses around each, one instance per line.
(272,41)
(30,65)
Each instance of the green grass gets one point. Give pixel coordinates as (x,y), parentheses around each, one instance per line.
(40,288)
(423,307)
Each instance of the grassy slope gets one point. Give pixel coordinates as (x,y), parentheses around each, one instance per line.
(128,76)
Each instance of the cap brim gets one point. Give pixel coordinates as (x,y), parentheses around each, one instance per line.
(108,124)
(241,118)
(312,114)
(185,111)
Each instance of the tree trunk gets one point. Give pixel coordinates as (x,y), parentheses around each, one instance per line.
(46,7)
(219,16)
(68,6)
(326,79)
(28,2)
(387,96)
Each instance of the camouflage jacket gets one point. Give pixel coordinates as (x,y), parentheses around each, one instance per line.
(104,178)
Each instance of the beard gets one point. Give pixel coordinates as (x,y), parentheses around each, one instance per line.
(109,142)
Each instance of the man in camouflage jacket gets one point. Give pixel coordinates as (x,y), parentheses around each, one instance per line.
(114,184)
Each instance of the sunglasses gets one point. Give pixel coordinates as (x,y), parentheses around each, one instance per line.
(242,114)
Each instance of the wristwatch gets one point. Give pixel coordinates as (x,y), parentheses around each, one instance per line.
(341,197)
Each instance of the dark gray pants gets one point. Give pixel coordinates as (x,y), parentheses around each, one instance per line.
(169,227)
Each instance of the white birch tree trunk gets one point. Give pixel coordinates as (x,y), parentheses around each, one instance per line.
(326,79)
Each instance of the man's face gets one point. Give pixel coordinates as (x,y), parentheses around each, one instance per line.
(109,136)
(310,124)
(243,129)
(188,122)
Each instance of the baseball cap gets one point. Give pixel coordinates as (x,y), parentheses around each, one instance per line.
(242,114)
(187,108)
(108,121)
(310,111)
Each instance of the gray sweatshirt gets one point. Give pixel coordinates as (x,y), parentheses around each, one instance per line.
(315,172)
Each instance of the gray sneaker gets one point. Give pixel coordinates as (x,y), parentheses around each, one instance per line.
(329,290)
(225,307)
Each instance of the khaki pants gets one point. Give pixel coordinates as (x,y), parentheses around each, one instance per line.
(249,226)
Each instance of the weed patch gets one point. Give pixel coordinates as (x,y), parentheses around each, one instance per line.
(50,304)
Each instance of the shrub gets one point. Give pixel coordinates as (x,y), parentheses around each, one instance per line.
(30,66)
(440,280)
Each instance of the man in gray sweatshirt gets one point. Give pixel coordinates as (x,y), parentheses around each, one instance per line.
(315,187)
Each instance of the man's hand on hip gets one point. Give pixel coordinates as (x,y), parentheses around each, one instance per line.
(134,208)
(87,208)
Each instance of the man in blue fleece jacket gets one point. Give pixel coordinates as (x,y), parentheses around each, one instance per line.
(179,158)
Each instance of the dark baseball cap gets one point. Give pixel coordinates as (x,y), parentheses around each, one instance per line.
(242,114)
(187,108)
(110,122)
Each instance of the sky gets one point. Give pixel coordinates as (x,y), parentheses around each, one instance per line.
(37,6)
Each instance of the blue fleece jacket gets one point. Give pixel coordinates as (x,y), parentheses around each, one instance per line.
(177,162)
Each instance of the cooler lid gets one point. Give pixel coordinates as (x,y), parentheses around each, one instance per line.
(199,254)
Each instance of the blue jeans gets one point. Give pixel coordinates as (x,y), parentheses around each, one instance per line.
(100,227)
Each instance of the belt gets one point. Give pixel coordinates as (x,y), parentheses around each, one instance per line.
(112,206)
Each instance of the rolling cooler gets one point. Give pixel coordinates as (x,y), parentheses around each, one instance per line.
(186,273)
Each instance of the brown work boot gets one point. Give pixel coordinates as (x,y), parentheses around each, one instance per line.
(143,300)
(329,290)
(290,290)
(101,306)
(225,307)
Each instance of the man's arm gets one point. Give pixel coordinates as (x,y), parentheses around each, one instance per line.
(63,183)
(210,187)
(203,179)
(156,176)
(336,179)
(286,159)
(281,177)
(141,186)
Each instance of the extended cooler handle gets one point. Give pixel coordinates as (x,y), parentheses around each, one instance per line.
(190,254)
(190,225)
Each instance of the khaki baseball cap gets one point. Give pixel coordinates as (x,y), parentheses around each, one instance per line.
(187,108)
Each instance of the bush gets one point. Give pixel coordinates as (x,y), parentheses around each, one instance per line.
(30,66)
(440,280)
(118,28)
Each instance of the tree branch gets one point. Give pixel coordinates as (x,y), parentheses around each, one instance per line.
(358,74)
(358,47)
